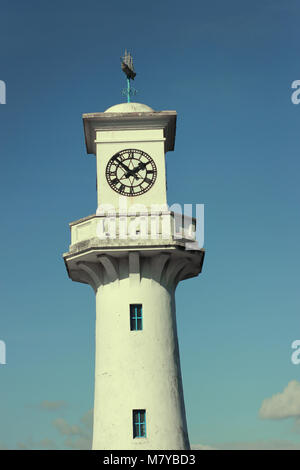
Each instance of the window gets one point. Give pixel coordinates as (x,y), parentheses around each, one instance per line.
(139,423)
(136,317)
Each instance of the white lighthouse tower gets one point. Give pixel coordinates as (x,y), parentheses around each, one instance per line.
(134,252)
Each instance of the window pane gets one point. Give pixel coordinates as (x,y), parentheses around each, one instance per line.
(136,317)
(132,324)
(139,309)
(136,430)
(143,430)
(139,423)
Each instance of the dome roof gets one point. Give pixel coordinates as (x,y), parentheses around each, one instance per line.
(129,108)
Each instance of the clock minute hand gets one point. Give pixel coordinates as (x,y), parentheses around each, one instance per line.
(129,171)
(140,166)
(123,165)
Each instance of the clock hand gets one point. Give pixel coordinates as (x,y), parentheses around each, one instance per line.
(141,166)
(123,165)
(129,171)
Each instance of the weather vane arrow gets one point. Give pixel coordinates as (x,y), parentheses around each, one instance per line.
(128,69)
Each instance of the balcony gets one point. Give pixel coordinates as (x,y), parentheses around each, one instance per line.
(143,230)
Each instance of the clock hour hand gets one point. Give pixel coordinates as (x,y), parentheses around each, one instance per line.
(129,171)
(141,166)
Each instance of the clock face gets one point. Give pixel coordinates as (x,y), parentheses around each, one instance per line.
(131,172)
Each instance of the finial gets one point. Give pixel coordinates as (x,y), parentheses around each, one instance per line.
(128,69)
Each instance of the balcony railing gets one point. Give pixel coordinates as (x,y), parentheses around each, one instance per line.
(129,229)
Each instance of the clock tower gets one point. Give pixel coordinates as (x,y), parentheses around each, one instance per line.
(133,252)
(130,141)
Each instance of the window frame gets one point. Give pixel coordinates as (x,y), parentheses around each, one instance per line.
(136,317)
(141,421)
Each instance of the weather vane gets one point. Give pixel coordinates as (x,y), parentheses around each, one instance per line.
(128,69)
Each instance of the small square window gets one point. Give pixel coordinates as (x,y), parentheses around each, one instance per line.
(136,317)
(139,423)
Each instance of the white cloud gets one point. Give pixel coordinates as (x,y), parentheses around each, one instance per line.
(52,405)
(202,447)
(87,419)
(282,405)
(254,445)
(30,444)
(261,445)
(78,437)
(75,436)
(296,425)
(80,443)
(66,429)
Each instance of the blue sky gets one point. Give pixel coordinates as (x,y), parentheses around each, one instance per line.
(227,69)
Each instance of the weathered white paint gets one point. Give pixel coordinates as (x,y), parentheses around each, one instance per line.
(154,228)
(110,142)
(134,369)
(129,108)
(137,369)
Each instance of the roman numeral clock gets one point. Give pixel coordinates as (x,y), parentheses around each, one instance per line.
(138,394)
(131,172)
